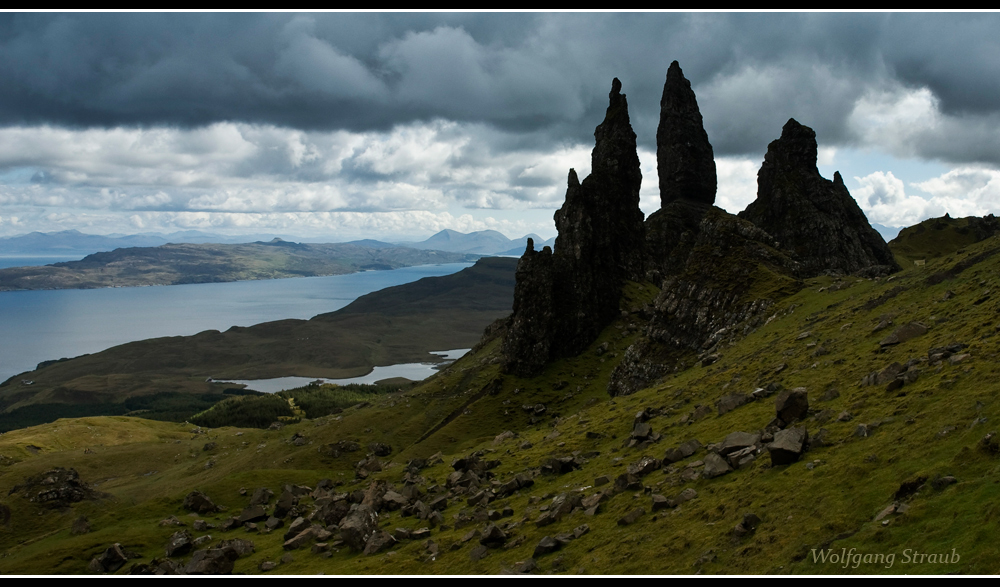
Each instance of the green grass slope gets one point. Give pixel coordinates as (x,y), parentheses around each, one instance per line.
(926,452)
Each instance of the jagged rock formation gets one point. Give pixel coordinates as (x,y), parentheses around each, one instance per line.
(722,275)
(685,162)
(563,299)
(719,273)
(814,218)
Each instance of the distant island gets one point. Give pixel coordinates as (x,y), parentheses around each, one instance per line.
(174,264)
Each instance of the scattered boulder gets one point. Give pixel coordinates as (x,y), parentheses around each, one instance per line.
(545,546)
(737,441)
(242,548)
(301,538)
(715,466)
(493,536)
(286,502)
(379,541)
(788,446)
(179,544)
(682,452)
(254,513)
(211,561)
(261,496)
(684,496)
(561,465)
(56,488)
(747,526)
(81,525)
(199,503)
(644,466)
(358,526)
(792,405)
(728,403)
(380,449)
(631,517)
(110,560)
(904,333)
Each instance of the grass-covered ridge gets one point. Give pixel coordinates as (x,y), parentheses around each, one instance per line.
(920,434)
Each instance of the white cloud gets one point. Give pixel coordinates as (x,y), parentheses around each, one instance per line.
(897,120)
(960,192)
(229,167)
(737,183)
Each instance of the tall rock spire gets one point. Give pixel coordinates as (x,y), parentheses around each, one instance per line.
(564,299)
(814,218)
(685,162)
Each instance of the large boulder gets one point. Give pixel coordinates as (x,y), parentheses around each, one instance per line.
(358,526)
(792,405)
(110,560)
(814,218)
(715,466)
(56,488)
(198,502)
(212,561)
(179,544)
(682,452)
(736,441)
(788,446)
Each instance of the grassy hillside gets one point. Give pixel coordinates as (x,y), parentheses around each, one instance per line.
(937,237)
(924,448)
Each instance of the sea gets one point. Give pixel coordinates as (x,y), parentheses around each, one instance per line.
(37,326)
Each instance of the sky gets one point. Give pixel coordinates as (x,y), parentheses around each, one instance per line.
(397,125)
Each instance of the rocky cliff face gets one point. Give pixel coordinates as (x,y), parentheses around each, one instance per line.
(721,278)
(814,218)
(563,299)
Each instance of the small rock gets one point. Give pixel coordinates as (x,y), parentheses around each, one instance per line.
(631,517)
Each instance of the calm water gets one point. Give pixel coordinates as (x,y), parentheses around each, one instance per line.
(411,371)
(33,261)
(40,325)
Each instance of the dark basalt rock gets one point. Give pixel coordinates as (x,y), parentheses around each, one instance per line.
(110,560)
(720,275)
(563,299)
(212,561)
(685,161)
(198,502)
(56,488)
(814,218)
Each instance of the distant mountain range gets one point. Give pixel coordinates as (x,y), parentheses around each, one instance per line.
(483,242)
(74,242)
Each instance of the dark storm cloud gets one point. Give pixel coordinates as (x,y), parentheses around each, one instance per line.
(542,78)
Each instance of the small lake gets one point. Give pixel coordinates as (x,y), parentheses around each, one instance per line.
(411,371)
(37,326)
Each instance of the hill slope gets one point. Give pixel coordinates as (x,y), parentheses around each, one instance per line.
(892,469)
